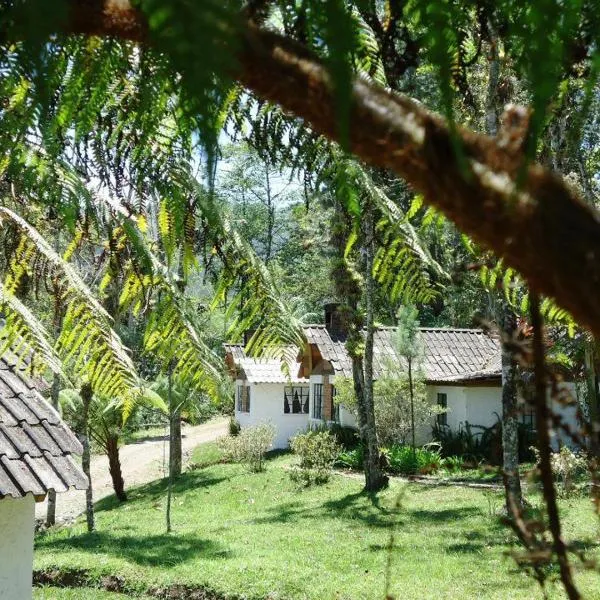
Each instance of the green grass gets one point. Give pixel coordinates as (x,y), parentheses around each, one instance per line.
(52,593)
(261,536)
(206,455)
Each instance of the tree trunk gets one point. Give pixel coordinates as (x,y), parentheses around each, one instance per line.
(412,410)
(175,444)
(591,379)
(51,508)
(56,326)
(507,319)
(114,466)
(510,422)
(86,396)
(374,478)
(170,481)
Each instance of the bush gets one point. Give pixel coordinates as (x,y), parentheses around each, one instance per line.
(453,463)
(566,466)
(250,446)
(401,459)
(318,451)
(345,436)
(351,459)
(234,427)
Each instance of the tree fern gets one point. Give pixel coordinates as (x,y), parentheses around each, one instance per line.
(87,345)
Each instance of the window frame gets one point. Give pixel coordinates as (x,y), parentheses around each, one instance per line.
(442,418)
(288,401)
(240,405)
(318,399)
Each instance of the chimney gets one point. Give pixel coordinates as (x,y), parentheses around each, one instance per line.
(248,335)
(334,320)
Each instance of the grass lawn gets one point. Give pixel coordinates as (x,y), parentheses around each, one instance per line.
(260,536)
(52,593)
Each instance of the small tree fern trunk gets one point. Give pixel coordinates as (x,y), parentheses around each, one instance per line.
(175,444)
(412,410)
(171,428)
(56,325)
(114,466)
(51,508)
(86,396)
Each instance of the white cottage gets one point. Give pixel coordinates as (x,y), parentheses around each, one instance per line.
(36,450)
(462,373)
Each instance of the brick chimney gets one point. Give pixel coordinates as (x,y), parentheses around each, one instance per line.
(334,320)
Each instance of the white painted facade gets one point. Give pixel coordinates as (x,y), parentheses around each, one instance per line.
(477,405)
(267,406)
(16,547)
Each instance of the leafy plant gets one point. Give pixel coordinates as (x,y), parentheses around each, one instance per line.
(402,459)
(234,427)
(566,467)
(351,459)
(250,446)
(317,451)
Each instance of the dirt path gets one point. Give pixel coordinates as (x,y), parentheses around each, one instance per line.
(141,462)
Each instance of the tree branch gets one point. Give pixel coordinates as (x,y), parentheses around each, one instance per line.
(539,227)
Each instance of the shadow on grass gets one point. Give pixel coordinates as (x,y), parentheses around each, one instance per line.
(147,550)
(445,515)
(156,490)
(361,507)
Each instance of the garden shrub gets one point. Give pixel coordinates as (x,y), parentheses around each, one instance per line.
(345,436)
(351,459)
(566,467)
(317,451)
(401,459)
(250,446)
(234,427)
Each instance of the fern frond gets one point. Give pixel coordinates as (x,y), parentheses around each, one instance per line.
(86,344)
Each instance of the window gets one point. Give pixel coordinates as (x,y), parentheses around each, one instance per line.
(528,417)
(317,412)
(336,407)
(239,397)
(295,399)
(243,398)
(442,402)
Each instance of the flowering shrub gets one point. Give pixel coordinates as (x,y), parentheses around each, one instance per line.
(249,446)
(566,466)
(317,451)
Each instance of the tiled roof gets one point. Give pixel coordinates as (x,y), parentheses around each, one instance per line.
(266,370)
(449,355)
(36,447)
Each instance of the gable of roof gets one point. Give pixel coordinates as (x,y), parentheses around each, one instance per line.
(449,355)
(265,370)
(36,447)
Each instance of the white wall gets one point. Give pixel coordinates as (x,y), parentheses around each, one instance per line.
(266,405)
(484,405)
(16,547)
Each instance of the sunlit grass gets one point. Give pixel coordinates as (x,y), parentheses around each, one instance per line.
(261,536)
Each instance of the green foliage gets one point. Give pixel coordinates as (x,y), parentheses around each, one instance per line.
(402,459)
(567,467)
(234,427)
(317,451)
(250,446)
(351,459)
(205,455)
